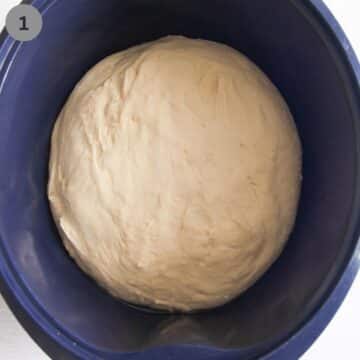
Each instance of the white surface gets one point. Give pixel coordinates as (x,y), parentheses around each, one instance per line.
(338,341)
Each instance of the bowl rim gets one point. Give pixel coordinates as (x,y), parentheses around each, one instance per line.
(55,341)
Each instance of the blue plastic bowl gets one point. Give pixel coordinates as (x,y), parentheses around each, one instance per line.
(302,48)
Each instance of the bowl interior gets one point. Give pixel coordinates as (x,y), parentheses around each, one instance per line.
(287,40)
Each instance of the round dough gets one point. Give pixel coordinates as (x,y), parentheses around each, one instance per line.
(175,173)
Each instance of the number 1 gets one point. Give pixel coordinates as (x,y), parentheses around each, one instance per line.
(23,21)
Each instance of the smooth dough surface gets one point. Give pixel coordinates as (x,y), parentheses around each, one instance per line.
(175,174)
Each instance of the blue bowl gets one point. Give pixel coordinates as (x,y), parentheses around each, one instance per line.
(303,50)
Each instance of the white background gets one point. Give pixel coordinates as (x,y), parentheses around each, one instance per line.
(339,340)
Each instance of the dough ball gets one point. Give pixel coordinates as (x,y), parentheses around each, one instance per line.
(175,174)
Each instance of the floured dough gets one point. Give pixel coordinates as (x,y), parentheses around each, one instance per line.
(175,174)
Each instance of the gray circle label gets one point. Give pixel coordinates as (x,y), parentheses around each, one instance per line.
(24,22)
